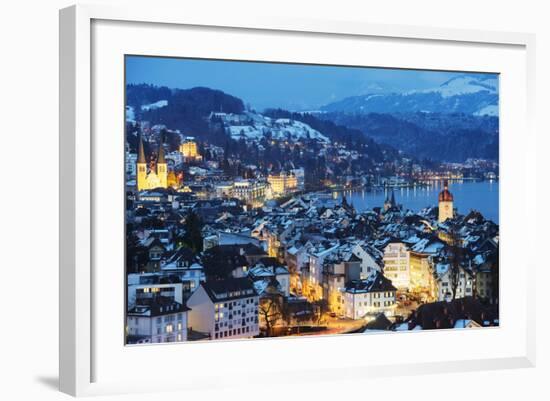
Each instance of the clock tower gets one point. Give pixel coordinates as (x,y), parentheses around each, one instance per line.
(446,210)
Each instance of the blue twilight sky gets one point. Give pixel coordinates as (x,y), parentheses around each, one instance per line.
(289,86)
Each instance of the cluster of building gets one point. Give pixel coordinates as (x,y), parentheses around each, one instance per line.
(206,180)
(292,263)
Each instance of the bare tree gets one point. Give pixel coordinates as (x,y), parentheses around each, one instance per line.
(270,310)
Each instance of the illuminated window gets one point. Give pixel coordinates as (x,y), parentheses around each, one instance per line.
(169,328)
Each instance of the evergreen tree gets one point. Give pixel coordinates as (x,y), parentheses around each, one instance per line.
(193,232)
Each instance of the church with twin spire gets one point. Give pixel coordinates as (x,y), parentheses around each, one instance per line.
(153,174)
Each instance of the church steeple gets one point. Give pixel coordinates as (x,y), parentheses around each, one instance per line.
(162,167)
(141,167)
(161,158)
(141,152)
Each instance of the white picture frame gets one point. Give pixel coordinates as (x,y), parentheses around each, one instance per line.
(79,318)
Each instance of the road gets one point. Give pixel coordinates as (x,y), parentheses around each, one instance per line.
(336,325)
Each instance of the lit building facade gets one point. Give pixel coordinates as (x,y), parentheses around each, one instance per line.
(249,191)
(282,184)
(422,278)
(396,265)
(190,150)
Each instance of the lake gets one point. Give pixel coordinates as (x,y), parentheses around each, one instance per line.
(479,195)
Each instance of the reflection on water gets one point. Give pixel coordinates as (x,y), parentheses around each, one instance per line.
(481,196)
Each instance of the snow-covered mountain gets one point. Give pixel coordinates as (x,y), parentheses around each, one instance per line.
(252,127)
(463,85)
(469,94)
(454,121)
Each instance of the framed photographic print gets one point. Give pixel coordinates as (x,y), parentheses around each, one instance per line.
(291,191)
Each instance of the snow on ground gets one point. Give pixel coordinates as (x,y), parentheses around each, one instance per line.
(254,127)
(246,131)
(130,114)
(153,106)
(491,110)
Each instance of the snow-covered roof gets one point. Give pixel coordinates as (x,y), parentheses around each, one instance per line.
(441,268)
(479,259)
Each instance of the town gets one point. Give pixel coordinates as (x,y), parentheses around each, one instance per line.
(220,248)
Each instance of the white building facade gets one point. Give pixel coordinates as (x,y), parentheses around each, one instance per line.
(364,299)
(464,287)
(396,265)
(225,309)
(157,321)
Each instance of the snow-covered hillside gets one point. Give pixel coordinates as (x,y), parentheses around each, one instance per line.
(153,106)
(252,127)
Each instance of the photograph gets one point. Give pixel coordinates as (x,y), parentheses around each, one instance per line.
(273,199)
(309,193)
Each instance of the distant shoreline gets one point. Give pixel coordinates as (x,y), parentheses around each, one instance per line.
(423,184)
